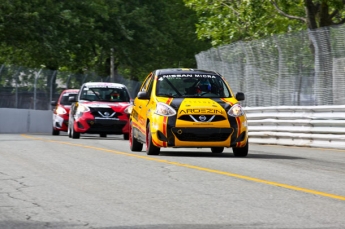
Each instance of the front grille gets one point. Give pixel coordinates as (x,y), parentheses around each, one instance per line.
(202,135)
(106,126)
(205,118)
(104,112)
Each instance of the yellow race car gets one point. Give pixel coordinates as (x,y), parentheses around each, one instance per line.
(187,108)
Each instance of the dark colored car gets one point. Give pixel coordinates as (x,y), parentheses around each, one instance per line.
(100,108)
(61,111)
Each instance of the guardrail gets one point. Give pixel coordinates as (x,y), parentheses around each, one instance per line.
(25,121)
(313,126)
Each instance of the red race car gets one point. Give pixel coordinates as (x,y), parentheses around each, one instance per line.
(61,111)
(100,108)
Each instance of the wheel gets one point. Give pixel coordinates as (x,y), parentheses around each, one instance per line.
(74,135)
(241,152)
(151,149)
(125,136)
(103,135)
(217,149)
(55,132)
(134,145)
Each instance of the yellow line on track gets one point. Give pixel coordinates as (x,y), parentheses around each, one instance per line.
(272,183)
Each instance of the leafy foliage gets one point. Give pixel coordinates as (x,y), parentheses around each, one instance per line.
(227,21)
(78,35)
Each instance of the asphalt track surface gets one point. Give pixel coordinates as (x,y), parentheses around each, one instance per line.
(58,182)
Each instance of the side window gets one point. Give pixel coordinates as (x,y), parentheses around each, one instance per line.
(150,85)
(146,83)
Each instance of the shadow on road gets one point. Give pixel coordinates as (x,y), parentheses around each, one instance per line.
(225,155)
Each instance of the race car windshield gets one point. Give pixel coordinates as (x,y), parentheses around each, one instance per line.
(64,99)
(105,94)
(192,86)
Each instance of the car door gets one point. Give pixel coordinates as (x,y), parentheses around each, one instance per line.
(140,109)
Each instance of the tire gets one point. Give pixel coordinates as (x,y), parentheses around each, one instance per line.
(217,149)
(134,145)
(151,149)
(55,132)
(75,135)
(241,152)
(103,135)
(125,136)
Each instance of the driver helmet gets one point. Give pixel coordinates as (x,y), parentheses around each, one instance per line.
(115,95)
(204,85)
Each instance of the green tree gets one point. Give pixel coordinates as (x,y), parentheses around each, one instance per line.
(78,36)
(227,21)
(162,36)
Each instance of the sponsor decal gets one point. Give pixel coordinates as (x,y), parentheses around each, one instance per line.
(201,110)
(102,85)
(93,105)
(135,114)
(187,76)
(106,118)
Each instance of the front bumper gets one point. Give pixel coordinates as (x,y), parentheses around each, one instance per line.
(102,126)
(224,133)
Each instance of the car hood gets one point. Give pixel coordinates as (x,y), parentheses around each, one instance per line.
(97,104)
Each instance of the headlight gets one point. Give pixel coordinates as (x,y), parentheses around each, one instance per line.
(164,110)
(61,111)
(236,110)
(128,109)
(82,109)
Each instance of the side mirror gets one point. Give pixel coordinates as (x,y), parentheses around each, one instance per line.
(53,103)
(240,96)
(72,99)
(143,95)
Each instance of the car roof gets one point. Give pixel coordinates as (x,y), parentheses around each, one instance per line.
(103,84)
(70,91)
(184,71)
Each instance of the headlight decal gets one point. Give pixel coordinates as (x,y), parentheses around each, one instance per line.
(60,110)
(234,122)
(81,109)
(171,121)
(164,109)
(236,110)
(128,110)
(238,120)
(165,121)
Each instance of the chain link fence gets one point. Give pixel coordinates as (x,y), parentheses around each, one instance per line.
(26,88)
(306,68)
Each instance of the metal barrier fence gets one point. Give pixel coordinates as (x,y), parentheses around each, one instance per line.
(295,69)
(26,88)
(311,126)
